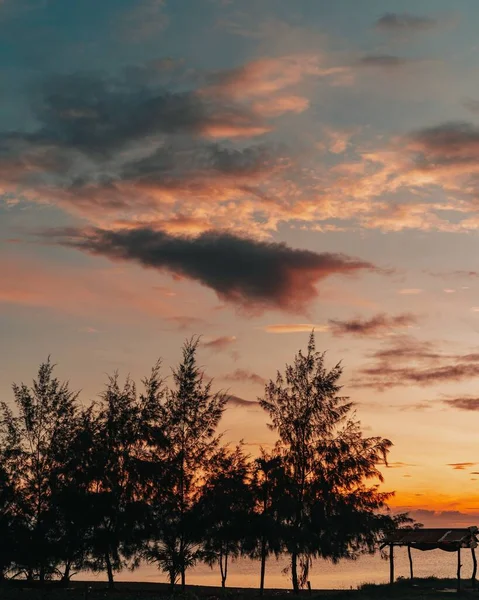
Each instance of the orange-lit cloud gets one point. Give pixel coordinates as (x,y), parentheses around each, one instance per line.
(462,466)
(295,328)
(220,343)
(267,76)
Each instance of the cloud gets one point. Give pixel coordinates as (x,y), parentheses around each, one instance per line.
(185,323)
(384,61)
(464,403)
(147,19)
(165,145)
(378,325)
(472,105)
(440,518)
(456,273)
(251,274)
(446,143)
(410,291)
(275,107)
(407,361)
(294,328)
(241,402)
(220,343)
(405,22)
(268,77)
(243,375)
(461,466)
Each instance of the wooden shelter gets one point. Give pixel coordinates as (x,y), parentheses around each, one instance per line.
(449,540)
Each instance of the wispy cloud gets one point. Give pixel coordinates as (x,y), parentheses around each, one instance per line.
(461,466)
(245,375)
(220,343)
(405,22)
(406,361)
(295,328)
(467,403)
(385,61)
(241,402)
(378,325)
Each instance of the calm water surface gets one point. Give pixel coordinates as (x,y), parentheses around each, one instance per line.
(347,574)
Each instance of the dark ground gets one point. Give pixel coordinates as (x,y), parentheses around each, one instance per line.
(421,589)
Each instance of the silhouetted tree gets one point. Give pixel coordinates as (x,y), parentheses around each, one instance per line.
(39,436)
(192,413)
(265,535)
(73,497)
(123,428)
(11,525)
(331,512)
(226,508)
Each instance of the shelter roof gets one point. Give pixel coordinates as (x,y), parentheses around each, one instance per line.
(430,539)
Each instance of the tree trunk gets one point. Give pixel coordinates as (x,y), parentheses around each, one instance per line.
(391,564)
(294,572)
(459,570)
(474,568)
(183,577)
(109,570)
(411,569)
(41,575)
(182,558)
(172,574)
(263,566)
(66,572)
(224,572)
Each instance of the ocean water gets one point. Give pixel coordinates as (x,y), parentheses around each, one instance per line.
(323,575)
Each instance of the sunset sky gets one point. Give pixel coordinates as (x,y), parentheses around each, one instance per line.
(248,170)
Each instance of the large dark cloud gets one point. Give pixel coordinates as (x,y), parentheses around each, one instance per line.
(403,22)
(377,325)
(250,273)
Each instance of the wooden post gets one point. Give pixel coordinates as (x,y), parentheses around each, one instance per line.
(411,570)
(391,563)
(474,568)
(459,570)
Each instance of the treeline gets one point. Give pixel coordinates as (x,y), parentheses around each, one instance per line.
(143,475)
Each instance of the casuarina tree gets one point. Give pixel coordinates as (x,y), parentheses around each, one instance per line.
(36,439)
(265,534)
(124,426)
(334,508)
(226,508)
(191,416)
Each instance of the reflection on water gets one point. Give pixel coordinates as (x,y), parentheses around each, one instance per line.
(347,574)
